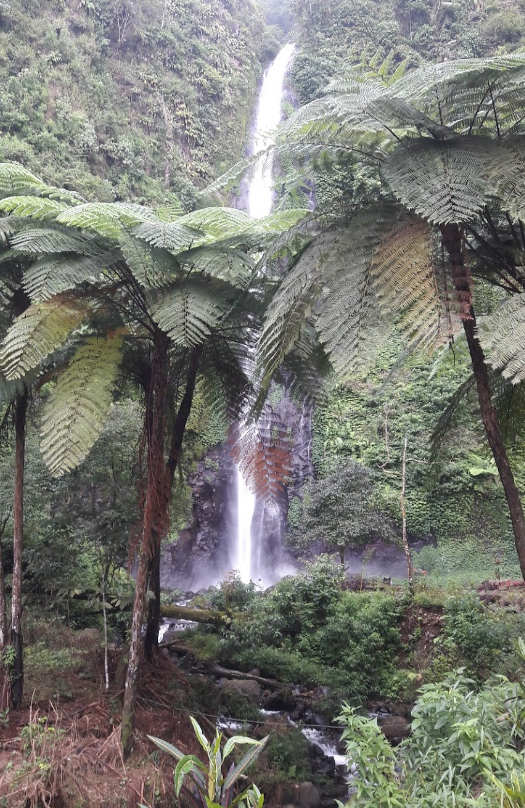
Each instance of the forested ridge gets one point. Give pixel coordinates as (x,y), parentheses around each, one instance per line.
(344,375)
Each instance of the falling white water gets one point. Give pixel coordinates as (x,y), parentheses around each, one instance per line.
(260,201)
(269,111)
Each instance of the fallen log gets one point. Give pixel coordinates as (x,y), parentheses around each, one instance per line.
(218,670)
(197,615)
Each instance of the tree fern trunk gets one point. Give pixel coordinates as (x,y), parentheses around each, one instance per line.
(17,669)
(177,436)
(3,635)
(152,524)
(452,238)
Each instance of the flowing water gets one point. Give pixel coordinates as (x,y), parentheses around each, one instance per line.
(260,202)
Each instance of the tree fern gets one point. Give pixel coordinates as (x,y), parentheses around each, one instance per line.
(502,336)
(151,267)
(105,218)
(189,313)
(32,207)
(52,274)
(75,414)
(35,241)
(442,182)
(37,332)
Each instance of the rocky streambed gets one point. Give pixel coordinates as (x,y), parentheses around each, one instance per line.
(280,709)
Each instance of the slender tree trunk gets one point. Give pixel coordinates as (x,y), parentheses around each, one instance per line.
(406,546)
(3,636)
(177,435)
(17,670)
(154,425)
(452,238)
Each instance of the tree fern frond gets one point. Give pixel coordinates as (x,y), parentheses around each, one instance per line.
(344,314)
(189,313)
(52,274)
(263,451)
(34,241)
(217,223)
(443,182)
(8,226)
(442,79)
(37,332)
(107,219)
(510,178)
(174,236)
(502,337)
(232,266)
(32,207)
(407,280)
(151,267)
(75,413)
(290,308)
(447,416)
(16,180)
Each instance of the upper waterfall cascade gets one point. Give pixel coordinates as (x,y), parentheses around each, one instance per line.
(260,202)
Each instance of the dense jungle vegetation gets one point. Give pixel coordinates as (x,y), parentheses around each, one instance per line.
(144,316)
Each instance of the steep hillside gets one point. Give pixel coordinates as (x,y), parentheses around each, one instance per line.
(333,30)
(125,98)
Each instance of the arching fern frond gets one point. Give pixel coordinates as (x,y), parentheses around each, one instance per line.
(37,332)
(16,180)
(290,308)
(151,267)
(105,218)
(189,313)
(32,207)
(443,182)
(232,266)
(407,280)
(345,316)
(174,236)
(502,336)
(52,274)
(34,241)
(510,177)
(75,413)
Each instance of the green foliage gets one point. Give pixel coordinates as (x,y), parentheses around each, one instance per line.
(288,755)
(305,629)
(477,637)
(214,786)
(462,738)
(74,416)
(127,100)
(338,511)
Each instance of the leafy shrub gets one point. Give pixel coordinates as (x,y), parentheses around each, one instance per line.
(462,738)
(478,637)
(288,754)
(307,630)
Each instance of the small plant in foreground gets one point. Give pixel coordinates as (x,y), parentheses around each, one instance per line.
(211,787)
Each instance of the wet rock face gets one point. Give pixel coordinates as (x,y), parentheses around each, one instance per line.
(201,556)
(205,550)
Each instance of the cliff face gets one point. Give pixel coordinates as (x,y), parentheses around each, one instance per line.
(121,99)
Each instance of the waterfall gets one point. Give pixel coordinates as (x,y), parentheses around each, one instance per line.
(260,201)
